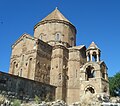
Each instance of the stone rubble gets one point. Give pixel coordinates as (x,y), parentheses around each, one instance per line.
(86,100)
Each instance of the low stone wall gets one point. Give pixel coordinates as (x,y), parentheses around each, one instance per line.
(17,87)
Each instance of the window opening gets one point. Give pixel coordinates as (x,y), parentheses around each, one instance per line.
(90,73)
(90,89)
(94,57)
(21,73)
(57,36)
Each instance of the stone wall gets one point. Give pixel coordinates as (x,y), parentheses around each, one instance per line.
(43,62)
(23,57)
(20,88)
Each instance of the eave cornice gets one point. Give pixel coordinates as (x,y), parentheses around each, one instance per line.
(54,21)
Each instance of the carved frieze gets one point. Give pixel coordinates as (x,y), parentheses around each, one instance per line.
(27,53)
(15,56)
(30,52)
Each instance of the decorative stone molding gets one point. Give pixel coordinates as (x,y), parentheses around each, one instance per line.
(59,47)
(30,52)
(78,60)
(27,53)
(61,42)
(15,56)
(73,50)
(55,21)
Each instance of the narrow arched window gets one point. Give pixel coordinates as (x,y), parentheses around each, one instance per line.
(21,73)
(41,36)
(29,67)
(90,72)
(13,69)
(16,65)
(72,41)
(57,36)
(22,57)
(94,57)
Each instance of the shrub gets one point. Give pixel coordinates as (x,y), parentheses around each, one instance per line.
(37,99)
(16,103)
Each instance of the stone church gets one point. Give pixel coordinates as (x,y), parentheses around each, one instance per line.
(52,57)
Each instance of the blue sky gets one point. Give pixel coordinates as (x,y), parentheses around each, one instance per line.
(95,20)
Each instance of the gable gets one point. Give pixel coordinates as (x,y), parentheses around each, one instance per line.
(23,44)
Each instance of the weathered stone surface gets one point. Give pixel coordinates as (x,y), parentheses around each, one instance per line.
(115,99)
(52,57)
(13,87)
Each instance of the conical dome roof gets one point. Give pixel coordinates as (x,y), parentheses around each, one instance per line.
(92,46)
(55,15)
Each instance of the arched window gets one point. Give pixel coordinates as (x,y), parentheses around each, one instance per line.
(94,57)
(29,67)
(72,41)
(22,57)
(90,72)
(57,36)
(13,69)
(41,36)
(88,57)
(16,65)
(21,73)
(105,89)
(103,72)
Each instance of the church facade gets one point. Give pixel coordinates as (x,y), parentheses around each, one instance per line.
(52,57)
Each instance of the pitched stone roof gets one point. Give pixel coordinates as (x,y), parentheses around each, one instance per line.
(55,15)
(92,46)
(25,35)
(77,47)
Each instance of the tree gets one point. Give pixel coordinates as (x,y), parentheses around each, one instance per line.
(114,83)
